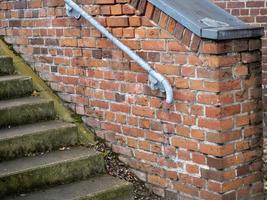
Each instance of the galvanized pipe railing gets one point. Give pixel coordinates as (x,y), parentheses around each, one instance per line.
(157,81)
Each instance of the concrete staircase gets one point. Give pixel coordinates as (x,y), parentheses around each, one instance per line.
(40,158)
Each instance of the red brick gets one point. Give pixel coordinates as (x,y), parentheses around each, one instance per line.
(157,137)
(166,116)
(143,155)
(149,10)
(186,189)
(198,134)
(251,57)
(120,108)
(134,132)
(135,21)
(215,47)
(104,1)
(241,70)
(178,31)
(184,143)
(216,124)
(163,21)
(117,21)
(153,45)
(122,150)
(192,169)
(186,38)
(116,9)
(128,33)
(176,46)
(184,155)
(156,180)
(198,158)
(185,95)
(111,127)
(54,3)
(216,150)
(156,15)
(222,61)
(142,111)
(223,137)
(141,7)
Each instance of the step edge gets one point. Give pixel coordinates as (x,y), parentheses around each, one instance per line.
(80,158)
(37,102)
(15,77)
(38,132)
(127,187)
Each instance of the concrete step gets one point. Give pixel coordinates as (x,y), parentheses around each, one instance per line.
(33,138)
(6,65)
(99,188)
(25,110)
(27,174)
(15,86)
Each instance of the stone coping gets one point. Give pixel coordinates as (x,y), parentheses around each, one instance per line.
(207,20)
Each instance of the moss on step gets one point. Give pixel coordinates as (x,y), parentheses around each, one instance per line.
(25,111)
(6,65)
(21,141)
(51,174)
(120,192)
(86,137)
(15,86)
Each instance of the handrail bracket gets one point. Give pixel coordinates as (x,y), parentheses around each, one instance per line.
(72,13)
(154,84)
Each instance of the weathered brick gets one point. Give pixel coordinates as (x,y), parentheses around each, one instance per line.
(145,156)
(210,47)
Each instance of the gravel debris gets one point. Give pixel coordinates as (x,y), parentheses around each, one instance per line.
(118,169)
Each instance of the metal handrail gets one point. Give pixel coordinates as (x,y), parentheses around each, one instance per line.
(157,81)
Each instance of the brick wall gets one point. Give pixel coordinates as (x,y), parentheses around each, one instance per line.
(206,145)
(253,12)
